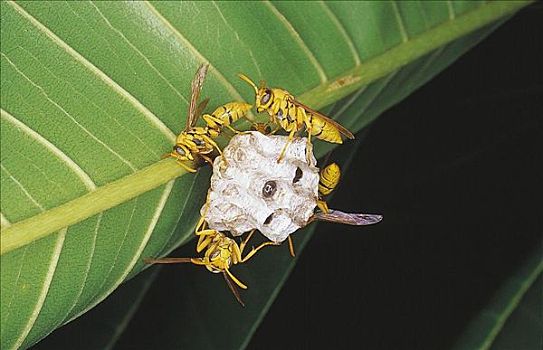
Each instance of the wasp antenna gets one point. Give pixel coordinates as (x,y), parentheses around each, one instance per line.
(249,81)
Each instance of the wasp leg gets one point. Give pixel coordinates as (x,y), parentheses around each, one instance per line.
(238,282)
(307,146)
(255,250)
(167,260)
(233,288)
(244,242)
(290,138)
(323,206)
(205,238)
(291,246)
(212,143)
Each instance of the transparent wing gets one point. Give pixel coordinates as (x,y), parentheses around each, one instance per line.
(167,260)
(356,219)
(200,109)
(233,288)
(338,126)
(196,88)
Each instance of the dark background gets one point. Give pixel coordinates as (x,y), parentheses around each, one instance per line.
(456,169)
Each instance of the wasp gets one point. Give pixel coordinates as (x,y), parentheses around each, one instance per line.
(328,180)
(197,141)
(292,116)
(221,253)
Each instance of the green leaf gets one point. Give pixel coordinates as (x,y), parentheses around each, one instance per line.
(93,93)
(101,327)
(512,319)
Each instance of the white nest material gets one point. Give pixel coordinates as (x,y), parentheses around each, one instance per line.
(252,191)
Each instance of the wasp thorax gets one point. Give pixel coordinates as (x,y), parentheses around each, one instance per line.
(256,192)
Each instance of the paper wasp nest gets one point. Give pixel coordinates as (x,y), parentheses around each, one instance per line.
(251,190)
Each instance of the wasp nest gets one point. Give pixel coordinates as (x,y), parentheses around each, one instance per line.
(250,190)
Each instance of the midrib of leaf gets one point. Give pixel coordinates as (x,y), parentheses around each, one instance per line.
(26,231)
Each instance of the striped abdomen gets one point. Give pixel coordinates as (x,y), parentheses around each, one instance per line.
(322,129)
(231,112)
(329,178)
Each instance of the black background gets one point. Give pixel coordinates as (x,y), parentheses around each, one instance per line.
(456,169)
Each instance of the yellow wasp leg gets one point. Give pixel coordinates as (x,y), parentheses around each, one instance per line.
(239,250)
(198,261)
(309,128)
(254,250)
(212,143)
(291,246)
(204,240)
(244,243)
(290,138)
(323,206)
(238,282)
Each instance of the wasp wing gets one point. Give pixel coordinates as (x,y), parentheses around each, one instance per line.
(233,288)
(167,260)
(335,124)
(356,219)
(200,109)
(196,88)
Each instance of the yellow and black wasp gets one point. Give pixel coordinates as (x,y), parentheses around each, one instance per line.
(292,116)
(221,253)
(197,141)
(328,180)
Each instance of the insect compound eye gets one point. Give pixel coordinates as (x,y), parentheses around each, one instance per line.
(266,98)
(268,219)
(298,175)
(269,189)
(179,150)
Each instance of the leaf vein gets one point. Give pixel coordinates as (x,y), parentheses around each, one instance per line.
(137,254)
(140,54)
(87,131)
(249,50)
(450,8)
(351,101)
(4,222)
(342,30)
(99,73)
(296,36)
(89,264)
(47,284)
(6,317)
(399,20)
(181,38)
(70,163)
(182,237)
(20,185)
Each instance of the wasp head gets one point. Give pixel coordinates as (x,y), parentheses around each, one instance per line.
(264,95)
